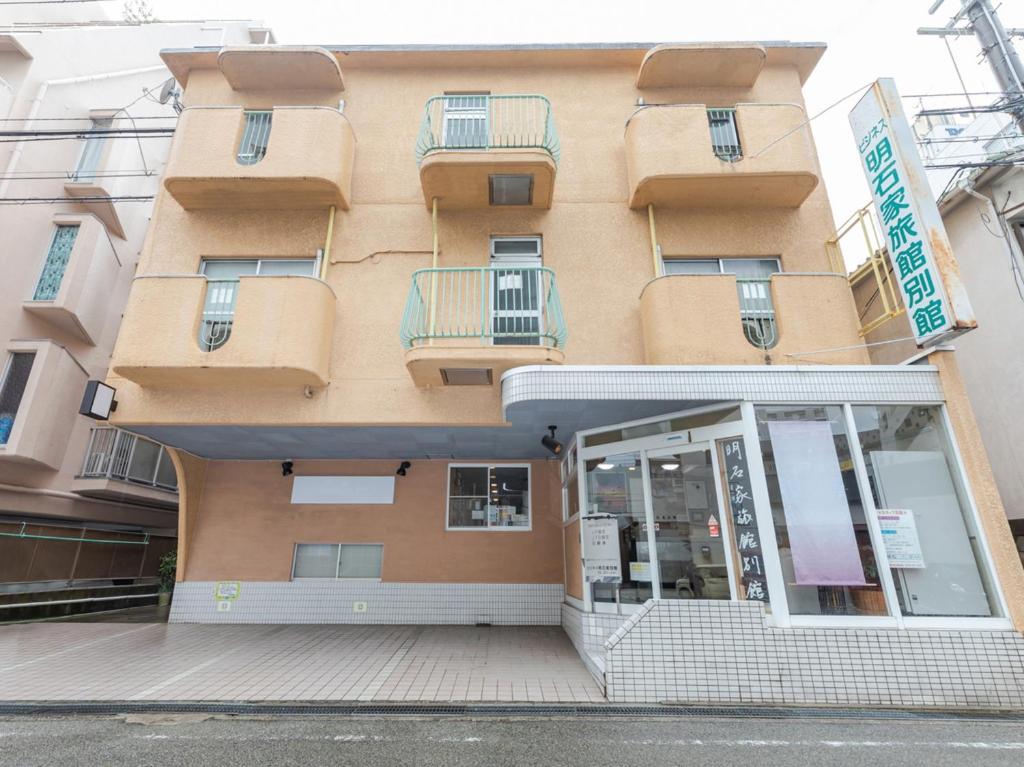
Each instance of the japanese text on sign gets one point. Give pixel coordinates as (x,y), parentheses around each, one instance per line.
(748,542)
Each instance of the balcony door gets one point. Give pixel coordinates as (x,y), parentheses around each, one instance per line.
(516,291)
(464,124)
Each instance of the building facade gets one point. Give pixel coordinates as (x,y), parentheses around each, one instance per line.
(550,335)
(82,505)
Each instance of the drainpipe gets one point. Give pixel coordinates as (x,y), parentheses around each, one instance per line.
(433,273)
(655,248)
(37,102)
(326,257)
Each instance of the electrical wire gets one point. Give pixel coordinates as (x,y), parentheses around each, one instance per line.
(96,198)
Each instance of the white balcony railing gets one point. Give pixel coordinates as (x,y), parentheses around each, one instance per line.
(116,454)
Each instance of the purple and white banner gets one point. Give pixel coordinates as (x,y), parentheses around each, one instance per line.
(821,536)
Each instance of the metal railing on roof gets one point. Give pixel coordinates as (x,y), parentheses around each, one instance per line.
(483,122)
(115,454)
(498,305)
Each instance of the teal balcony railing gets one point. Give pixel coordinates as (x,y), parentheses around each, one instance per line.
(483,123)
(497,305)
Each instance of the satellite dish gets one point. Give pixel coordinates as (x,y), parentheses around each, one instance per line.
(168,91)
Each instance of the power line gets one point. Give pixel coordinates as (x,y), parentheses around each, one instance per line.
(80,119)
(50,2)
(96,198)
(89,132)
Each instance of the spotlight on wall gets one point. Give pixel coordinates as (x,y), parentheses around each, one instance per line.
(403,468)
(549,441)
(286,468)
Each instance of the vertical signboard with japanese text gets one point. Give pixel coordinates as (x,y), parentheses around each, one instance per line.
(923,264)
(601,560)
(749,553)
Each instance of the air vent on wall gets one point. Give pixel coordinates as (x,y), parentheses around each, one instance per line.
(466,376)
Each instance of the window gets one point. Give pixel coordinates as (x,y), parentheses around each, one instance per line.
(725,139)
(511,189)
(92,151)
(911,467)
(337,560)
(465,121)
(488,497)
(12,389)
(56,262)
(255,137)
(222,291)
(753,285)
(825,548)
(517,308)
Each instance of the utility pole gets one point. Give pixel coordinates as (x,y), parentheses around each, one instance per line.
(981,20)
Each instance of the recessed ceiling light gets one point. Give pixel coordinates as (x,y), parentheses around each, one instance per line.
(670,466)
(606,466)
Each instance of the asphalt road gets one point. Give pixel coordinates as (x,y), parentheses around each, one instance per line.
(385,742)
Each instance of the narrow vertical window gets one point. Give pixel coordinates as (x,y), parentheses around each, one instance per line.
(56,263)
(255,137)
(12,389)
(725,139)
(92,152)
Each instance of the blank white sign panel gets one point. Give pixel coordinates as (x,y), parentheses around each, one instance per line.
(344,490)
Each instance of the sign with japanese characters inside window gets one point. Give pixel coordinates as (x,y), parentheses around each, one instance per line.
(749,554)
(922,260)
(602,562)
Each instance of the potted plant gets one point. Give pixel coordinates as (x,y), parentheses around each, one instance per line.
(167,571)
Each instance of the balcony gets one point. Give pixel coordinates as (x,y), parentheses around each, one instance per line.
(689,156)
(73,291)
(467,326)
(256,331)
(717,319)
(120,465)
(290,158)
(478,151)
(41,389)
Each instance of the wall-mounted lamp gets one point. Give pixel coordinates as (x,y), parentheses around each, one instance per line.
(549,441)
(403,468)
(286,468)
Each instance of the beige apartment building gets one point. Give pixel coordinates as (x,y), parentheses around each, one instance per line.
(86,511)
(550,335)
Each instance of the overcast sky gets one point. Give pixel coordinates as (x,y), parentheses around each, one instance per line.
(866,39)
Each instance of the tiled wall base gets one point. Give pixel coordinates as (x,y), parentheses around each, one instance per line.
(588,632)
(722,652)
(515,604)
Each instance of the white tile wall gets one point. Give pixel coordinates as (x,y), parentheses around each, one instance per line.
(332,601)
(811,383)
(723,652)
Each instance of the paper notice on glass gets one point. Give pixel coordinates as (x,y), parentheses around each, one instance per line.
(899,535)
(821,536)
(510,282)
(639,571)
(601,560)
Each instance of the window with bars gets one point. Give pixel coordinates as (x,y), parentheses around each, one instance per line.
(255,137)
(12,389)
(753,285)
(725,138)
(465,121)
(56,263)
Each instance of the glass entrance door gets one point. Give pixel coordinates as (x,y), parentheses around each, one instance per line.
(690,526)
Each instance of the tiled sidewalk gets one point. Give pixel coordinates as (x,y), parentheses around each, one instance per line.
(119,661)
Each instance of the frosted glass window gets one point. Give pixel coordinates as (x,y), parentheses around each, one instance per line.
(316,560)
(337,560)
(360,561)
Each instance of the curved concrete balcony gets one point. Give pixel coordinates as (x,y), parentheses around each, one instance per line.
(675,157)
(286,158)
(467,326)
(268,332)
(715,319)
(478,151)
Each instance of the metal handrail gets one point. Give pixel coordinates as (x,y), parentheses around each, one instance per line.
(111,454)
(484,122)
(516,305)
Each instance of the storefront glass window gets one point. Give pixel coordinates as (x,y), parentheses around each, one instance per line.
(488,497)
(615,487)
(825,548)
(932,542)
(680,423)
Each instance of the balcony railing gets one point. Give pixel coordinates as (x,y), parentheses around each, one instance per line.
(757,312)
(218,314)
(725,138)
(497,305)
(483,123)
(255,137)
(116,454)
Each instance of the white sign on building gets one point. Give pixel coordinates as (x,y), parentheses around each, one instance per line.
(601,560)
(923,264)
